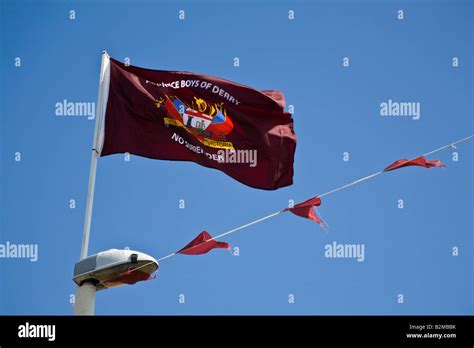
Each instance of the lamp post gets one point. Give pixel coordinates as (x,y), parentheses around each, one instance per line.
(85,295)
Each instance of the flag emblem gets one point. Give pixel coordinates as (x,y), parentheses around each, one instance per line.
(207,121)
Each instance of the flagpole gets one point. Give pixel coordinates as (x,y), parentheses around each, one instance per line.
(84,303)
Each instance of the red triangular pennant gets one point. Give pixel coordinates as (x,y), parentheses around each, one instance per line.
(202,244)
(305,209)
(419,161)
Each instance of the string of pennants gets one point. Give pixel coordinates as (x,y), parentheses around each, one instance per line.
(204,242)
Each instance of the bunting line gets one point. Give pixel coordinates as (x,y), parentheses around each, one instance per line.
(355,182)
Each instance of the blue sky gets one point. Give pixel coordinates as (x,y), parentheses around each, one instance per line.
(337,109)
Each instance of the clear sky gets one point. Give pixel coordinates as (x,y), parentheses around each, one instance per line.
(408,251)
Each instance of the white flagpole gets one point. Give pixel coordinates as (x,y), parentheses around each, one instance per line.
(84,303)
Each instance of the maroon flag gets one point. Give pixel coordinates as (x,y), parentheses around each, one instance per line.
(306,209)
(183,116)
(420,161)
(202,244)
